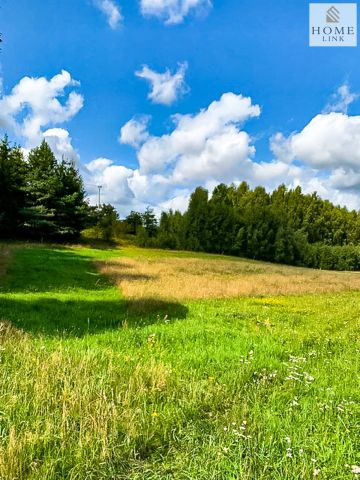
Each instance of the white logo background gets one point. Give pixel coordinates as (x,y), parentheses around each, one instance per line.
(326,25)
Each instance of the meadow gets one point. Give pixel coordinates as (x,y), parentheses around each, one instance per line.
(143,364)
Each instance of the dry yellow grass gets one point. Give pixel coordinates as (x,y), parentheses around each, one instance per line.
(193,278)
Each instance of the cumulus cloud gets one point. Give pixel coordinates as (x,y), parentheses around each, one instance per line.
(59,141)
(203,148)
(135,132)
(166,87)
(179,202)
(341,100)
(98,165)
(114,180)
(211,146)
(328,141)
(37,103)
(196,143)
(112,12)
(327,151)
(173,11)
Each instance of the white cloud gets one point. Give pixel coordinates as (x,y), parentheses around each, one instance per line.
(37,103)
(179,202)
(59,141)
(166,87)
(341,100)
(205,148)
(112,12)
(196,140)
(173,11)
(328,141)
(327,152)
(135,132)
(98,165)
(114,180)
(211,146)
(224,157)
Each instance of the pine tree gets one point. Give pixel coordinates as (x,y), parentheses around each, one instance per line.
(12,183)
(72,211)
(42,186)
(149,222)
(55,197)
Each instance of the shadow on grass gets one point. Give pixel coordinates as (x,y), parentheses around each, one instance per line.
(53,317)
(118,271)
(41,269)
(59,292)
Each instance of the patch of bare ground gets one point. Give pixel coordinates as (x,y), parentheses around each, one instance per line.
(192,278)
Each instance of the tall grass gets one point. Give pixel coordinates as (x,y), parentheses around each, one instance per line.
(244,388)
(203,278)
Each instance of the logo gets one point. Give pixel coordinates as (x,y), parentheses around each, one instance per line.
(333,25)
(333,15)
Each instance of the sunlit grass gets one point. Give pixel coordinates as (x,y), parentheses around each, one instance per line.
(186,278)
(241,388)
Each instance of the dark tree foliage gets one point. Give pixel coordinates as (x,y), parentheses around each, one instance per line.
(134,220)
(107,222)
(285,226)
(40,198)
(72,212)
(171,232)
(149,222)
(12,189)
(196,221)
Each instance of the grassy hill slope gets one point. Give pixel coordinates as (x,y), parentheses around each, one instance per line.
(136,364)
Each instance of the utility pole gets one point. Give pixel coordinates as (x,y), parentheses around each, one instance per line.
(99,187)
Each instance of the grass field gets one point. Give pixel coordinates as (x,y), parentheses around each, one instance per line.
(136,364)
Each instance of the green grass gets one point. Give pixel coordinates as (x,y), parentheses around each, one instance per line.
(90,389)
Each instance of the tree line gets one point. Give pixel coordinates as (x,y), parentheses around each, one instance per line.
(42,198)
(284,226)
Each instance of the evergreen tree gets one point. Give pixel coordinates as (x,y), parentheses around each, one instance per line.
(55,197)
(149,222)
(72,211)
(12,183)
(42,186)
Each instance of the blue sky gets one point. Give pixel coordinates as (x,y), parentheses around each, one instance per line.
(254,49)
